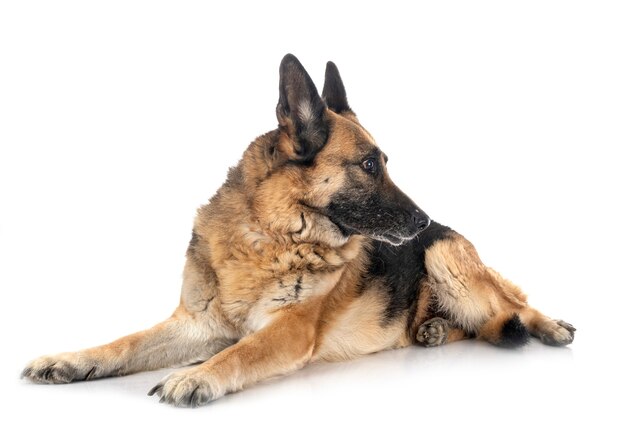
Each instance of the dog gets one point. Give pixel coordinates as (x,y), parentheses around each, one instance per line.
(309,252)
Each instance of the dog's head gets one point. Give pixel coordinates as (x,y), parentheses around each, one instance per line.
(323,175)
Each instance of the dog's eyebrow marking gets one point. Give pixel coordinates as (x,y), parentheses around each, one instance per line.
(363,146)
(374,154)
(364,150)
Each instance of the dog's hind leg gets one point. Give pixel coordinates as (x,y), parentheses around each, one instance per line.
(472,296)
(549,331)
(481,302)
(461,287)
(428,328)
(438,331)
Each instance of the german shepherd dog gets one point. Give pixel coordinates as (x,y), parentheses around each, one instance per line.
(309,252)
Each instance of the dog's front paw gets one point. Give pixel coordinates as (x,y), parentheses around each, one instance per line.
(557,333)
(190,388)
(433,332)
(63,368)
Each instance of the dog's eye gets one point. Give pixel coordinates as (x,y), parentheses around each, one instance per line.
(369,165)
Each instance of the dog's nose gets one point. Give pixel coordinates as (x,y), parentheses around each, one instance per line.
(421,220)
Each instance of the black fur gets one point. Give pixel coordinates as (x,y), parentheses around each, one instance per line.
(402,267)
(514,333)
(375,209)
(334,93)
(297,87)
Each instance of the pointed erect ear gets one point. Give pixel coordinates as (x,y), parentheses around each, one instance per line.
(300,111)
(334,93)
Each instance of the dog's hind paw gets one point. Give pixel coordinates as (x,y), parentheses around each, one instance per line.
(433,332)
(557,333)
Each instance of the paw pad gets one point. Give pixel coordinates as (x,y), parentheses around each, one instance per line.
(433,332)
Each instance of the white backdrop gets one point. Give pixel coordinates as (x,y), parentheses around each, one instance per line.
(504,120)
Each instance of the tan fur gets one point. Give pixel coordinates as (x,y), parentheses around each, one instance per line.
(341,341)
(550,331)
(476,299)
(460,283)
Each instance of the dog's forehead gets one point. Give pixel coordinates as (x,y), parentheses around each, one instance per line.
(350,138)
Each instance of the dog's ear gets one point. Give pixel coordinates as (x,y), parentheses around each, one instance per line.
(300,111)
(334,93)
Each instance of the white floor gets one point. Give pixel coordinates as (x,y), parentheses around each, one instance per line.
(468,384)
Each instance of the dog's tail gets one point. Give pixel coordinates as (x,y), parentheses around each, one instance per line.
(505,330)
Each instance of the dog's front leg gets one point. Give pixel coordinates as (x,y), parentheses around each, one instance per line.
(284,345)
(180,340)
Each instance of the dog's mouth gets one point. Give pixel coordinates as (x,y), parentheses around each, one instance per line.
(394,239)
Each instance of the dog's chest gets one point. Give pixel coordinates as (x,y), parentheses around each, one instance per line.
(256,281)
